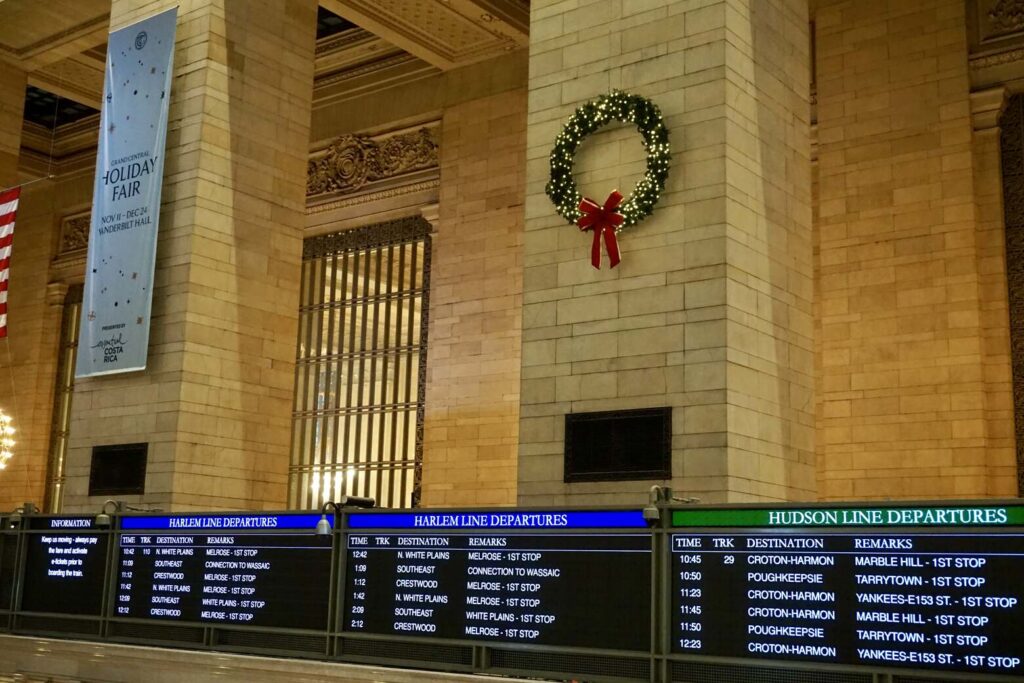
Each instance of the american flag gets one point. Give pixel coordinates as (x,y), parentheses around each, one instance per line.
(8,207)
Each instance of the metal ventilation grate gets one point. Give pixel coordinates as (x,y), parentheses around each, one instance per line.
(156,633)
(688,672)
(282,642)
(590,665)
(420,652)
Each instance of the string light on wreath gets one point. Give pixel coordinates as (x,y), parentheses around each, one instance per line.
(6,439)
(612,216)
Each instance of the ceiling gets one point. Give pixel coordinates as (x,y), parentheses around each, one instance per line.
(30,29)
(61,44)
(328,23)
(444,33)
(45,109)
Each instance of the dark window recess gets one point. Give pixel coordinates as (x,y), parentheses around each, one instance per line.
(1011,140)
(618,444)
(118,470)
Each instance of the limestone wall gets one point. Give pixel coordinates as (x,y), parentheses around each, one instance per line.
(709,312)
(215,400)
(914,392)
(471,419)
(472,402)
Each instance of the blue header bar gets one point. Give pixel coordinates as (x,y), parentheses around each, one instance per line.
(239,522)
(570,519)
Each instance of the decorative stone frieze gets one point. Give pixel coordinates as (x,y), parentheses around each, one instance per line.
(74,232)
(352,161)
(1007,15)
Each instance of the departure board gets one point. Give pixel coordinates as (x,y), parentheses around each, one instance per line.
(239,569)
(8,566)
(926,588)
(65,566)
(575,578)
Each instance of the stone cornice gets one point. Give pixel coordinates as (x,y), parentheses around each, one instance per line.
(987,106)
(348,50)
(69,138)
(985,61)
(390,72)
(346,202)
(37,164)
(449,34)
(341,41)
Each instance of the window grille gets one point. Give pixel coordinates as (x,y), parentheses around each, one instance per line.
(357,426)
(62,394)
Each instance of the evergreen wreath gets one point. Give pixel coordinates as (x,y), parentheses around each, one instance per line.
(615,106)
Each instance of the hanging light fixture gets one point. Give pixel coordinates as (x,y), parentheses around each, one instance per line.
(6,439)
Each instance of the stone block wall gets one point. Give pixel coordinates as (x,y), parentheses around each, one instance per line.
(472,400)
(27,374)
(215,400)
(28,356)
(914,393)
(709,312)
(12,90)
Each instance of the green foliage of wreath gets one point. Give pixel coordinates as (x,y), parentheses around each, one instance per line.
(615,106)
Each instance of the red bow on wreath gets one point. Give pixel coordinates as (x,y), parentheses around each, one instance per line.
(602,220)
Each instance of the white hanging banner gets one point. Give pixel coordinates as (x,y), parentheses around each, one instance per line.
(118,293)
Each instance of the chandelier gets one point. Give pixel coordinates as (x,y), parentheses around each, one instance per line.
(6,439)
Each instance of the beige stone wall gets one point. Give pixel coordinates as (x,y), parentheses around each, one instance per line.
(471,418)
(487,403)
(17,482)
(709,311)
(414,99)
(26,375)
(12,99)
(34,320)
(214,402)
(28,354)
(914,398)
(472,407)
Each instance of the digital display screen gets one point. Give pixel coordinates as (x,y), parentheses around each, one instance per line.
(516,580)
(880,596)
(8,568)
(253,570)
(65,566)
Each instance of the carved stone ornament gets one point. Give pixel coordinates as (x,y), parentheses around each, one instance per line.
(408,229)
(1007,15)
(997,59)
(352,161)
(74,232)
